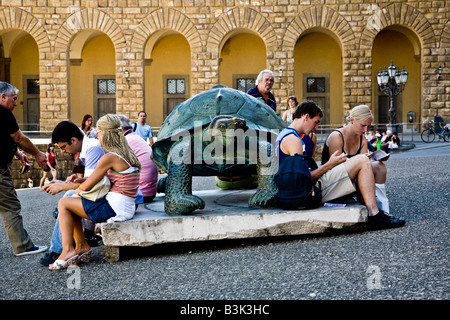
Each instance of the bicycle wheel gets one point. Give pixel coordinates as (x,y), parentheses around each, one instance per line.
(446,135)
(428,135)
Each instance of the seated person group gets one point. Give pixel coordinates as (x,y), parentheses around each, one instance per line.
(346,169)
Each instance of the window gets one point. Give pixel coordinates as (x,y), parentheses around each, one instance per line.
(176,86)
(106,86)
(245,84)
(315,85)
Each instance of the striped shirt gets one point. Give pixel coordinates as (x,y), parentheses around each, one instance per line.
(124,183)
(124,189)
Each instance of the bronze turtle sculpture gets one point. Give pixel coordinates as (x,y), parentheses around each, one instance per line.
(219,132)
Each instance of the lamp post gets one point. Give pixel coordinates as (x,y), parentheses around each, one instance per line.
(391,83)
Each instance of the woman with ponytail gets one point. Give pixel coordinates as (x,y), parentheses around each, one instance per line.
(351,141)
(121,166)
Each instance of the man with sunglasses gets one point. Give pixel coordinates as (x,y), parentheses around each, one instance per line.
(10,138)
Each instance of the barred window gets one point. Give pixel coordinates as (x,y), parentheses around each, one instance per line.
(315,84)
(106,86)
(176,86)
(245,84)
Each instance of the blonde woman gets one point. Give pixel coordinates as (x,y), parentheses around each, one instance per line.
(351,141)
(122,167)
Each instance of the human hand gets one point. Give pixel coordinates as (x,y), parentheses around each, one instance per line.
(75,179)
(54,188)
(336,159)
(41,159)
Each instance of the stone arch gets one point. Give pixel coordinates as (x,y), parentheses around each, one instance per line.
(397,14)
(319,17)
(16,18)
(89,18)
(165,18)
(241,18)
(445,36)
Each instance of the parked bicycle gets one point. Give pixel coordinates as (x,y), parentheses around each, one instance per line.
(428,135)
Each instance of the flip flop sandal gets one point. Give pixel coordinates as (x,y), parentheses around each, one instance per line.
(63,264)
(85,257)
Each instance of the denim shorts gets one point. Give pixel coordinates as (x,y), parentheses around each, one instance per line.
(99,211)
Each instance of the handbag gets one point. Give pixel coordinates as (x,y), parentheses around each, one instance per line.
(97,192)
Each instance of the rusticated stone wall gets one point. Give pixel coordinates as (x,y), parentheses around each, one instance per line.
(205,23)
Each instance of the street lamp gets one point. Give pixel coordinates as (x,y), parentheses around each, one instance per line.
(391,83)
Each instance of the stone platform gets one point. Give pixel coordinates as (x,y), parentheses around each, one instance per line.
(226,216)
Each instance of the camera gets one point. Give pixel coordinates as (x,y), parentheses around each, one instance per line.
(24,169)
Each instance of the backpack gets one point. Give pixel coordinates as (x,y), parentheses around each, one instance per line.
(296,188)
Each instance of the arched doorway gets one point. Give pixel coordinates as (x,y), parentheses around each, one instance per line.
(242,57)
(402,47)
(167,74)
(20,59)
(318,73)
(92,76)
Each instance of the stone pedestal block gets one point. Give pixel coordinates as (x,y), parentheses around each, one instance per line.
(226,216)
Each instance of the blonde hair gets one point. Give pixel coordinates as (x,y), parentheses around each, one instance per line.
(360,113)
(113,140)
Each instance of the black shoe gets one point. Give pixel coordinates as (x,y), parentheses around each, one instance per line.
(94,241)
(49,258)
(384,221)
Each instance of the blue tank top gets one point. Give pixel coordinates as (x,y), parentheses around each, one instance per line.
(285,132)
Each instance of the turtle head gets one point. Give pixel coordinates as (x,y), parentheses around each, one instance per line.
(224,122)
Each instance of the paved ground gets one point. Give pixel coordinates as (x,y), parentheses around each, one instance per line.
(410,263)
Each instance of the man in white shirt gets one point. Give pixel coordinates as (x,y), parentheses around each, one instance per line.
(143,129)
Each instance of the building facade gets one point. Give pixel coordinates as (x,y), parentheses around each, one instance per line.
(74,57)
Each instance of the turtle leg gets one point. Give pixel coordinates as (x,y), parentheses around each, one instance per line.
(179,199)
(266,168)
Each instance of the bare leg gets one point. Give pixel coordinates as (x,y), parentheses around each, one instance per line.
(70,213)
(41,183)
(379,171)
(359,168)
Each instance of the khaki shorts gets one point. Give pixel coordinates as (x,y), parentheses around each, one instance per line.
(336,183)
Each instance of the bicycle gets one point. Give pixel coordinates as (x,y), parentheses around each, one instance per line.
(428,135)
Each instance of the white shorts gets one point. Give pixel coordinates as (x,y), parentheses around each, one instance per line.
(336,183)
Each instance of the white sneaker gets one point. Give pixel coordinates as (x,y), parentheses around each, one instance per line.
(35,249)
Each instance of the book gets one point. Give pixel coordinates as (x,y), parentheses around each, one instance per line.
(380,155)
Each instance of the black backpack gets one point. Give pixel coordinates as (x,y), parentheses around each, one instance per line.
(296,189)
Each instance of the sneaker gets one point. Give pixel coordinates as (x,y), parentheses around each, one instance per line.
(35,249)
(384,221)
(48,258)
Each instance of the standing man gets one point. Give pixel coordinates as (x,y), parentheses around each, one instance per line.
(10,138)
(143,129)
(264,83)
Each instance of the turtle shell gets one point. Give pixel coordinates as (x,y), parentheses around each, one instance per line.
(202,108)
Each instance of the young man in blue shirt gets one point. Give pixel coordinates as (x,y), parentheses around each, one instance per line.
(143,129)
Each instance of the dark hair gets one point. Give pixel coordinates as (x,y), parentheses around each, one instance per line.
(83,122)
(50,145)
(65,131)
(142,112)
(307,107)
(293,98)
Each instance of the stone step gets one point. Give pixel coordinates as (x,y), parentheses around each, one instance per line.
(226,216)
